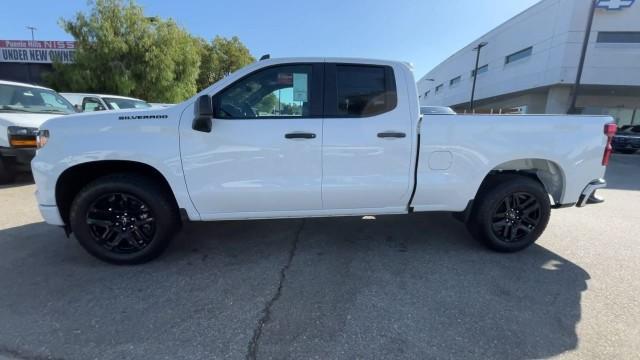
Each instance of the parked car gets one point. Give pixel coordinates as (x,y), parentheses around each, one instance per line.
(100,102)
(270,141)
(627,140)
(436,110)
(23,108)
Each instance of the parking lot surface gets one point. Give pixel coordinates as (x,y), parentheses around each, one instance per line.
(397,287)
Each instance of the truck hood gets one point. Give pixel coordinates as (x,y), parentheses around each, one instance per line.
(25,119)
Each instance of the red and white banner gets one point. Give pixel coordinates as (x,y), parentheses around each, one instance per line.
(42,52)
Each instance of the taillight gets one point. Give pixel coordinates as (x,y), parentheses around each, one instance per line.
(610,131)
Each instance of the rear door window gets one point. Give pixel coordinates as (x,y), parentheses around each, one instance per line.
(359,90)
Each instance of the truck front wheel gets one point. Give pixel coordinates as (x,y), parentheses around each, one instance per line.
(124,219)
(511,213)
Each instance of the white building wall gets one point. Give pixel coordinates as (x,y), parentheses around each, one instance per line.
(555,29)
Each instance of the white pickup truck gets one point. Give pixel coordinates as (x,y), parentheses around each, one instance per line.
(310,137)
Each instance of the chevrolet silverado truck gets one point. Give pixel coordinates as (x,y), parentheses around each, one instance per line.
(23,108)
(310,137)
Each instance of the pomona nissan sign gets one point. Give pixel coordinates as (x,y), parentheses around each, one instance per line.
(42,52)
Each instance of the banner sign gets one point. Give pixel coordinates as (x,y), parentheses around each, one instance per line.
(41,52)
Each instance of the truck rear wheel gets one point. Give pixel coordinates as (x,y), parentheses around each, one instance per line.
(511,213)
(124,219)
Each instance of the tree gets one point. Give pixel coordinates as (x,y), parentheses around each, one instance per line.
(221,57)
(120,51)
(267,104)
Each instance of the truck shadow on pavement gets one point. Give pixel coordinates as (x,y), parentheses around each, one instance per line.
(394,287)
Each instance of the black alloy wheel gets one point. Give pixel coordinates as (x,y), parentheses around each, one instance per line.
(124,219)
(121,223)
(510,212)
(516,217)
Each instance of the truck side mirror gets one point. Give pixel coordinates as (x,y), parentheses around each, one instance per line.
(203,114)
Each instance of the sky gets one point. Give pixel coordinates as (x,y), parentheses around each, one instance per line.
(423,32)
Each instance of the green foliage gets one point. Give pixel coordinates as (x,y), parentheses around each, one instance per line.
(267,104)
(220,58)
(121,51)
(290,109)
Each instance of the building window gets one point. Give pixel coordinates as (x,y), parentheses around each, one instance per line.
(439,88)
(481,70)
(455,81)
(522,54)
(619,37)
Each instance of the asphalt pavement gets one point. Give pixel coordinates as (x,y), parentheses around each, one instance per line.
(394,287)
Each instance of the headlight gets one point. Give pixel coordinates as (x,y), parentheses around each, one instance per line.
(42,138)
(22,137)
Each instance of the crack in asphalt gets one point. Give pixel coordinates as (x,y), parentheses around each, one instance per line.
(252,348)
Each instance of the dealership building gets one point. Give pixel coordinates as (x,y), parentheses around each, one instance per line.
(530,63)
(27,60)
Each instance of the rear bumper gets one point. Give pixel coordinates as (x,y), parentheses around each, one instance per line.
(51,215)
(589,190)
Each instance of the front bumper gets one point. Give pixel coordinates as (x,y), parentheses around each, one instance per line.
(589,190)
(51,215)
(20,158)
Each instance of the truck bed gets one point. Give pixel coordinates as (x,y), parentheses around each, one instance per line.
(457,152)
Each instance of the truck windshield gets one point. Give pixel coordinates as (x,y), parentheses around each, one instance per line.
(119,103)
(16,98)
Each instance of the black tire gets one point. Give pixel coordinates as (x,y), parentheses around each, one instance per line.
(7,172)
(147,215)
(510,213)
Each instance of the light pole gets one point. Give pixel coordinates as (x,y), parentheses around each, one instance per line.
(583,55)
(593,199)
(32,28)
(33,38)
(477,49)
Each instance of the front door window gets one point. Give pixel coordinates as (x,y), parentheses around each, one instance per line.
(280,91)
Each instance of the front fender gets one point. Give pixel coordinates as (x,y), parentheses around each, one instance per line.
(119,136)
